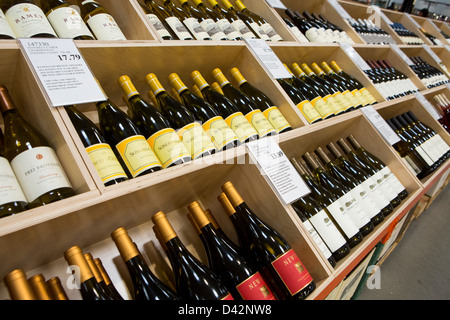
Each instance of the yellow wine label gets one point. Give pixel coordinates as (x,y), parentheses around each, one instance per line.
(276,118)
(260,123)
(355,101)
(221,134)
(322,107)
(240,125)
(105,162)
(137,154)
(360,98)
(167,146)
(370,98)
(195,139)
(342,102)
(308,111)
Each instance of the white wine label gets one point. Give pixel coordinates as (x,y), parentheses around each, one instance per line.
(39,171)
(381,179)
(270,32)
(10,190)
(105,27)
(243,29)
(355,212)
(5,28)
(424,155)
(258,30)
(317,239)
(68,23)
(327,230)
(340,214)
(179,28)
(212,30)
(105,162)
(221,134)
(157,24)
(313,35)
(196,29)
(195,139)
(228,29)
(368,204)
(411,165)
(393,180)
(27,20)
(298,34)
(376,193)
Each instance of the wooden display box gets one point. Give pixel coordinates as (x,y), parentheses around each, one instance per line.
(444,54)
(428,25)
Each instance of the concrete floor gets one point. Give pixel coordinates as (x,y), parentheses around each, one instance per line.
(419,267)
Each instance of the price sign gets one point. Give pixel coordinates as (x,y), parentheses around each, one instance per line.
(276,4)
(268,58)
(354,56)
(62,71)
(381,125)
(277,169)
(427,105)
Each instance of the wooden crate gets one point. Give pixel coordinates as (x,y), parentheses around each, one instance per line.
(428,25)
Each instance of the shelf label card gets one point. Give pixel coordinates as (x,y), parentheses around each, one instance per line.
(381,125)
(276,4)
(401,54)
(277,169)
(268,58)
(427,105)
(61,70)
(377,10)
(354,56)
(344,14)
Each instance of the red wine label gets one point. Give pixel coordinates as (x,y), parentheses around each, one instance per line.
(255,288)
(292,272)
(228,297)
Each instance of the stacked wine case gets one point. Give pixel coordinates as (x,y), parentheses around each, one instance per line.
(38,237)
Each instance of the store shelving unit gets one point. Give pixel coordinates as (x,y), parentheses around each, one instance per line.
(36,239)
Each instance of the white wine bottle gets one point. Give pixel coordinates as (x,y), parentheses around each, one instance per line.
(100,21)
(66,21)
(249,21)
(216,14)
(156,16)
(237,22)
(188,20)
(27,19)
(34,162)
(5,29)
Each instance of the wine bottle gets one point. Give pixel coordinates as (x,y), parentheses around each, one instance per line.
(208,24)
(246,105)
(155,127)
(40,287)
(331,202)
(192,135)
(99,151)
(27,20)
(12,199)
(98,277)
(193,279)
(66,21)
(268,108)
(218,16)
(345,197)
(102,24)
(56,289)
(266,27)
(188,20)
(325,29)
(34,162)
(146,286)
(129,143)
(109,284)
(296,31)
(221,134)
(267,249)
(5,29)
(156,16)
(237,22)
(227,109)
(376,162)
(309,30)
(233,270)
(84,278)
(18,286)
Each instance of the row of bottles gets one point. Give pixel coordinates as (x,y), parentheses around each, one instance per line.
(390,82)
(262,266)
(406,35)
(352,191)
(325,91)
(435,41)
(421,148)
(442,104)
(369,32)
(31,174)
(430,76)
(57,19)
(314,28)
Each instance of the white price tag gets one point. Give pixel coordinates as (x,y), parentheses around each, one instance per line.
(354,56)
(339,9)
(268,58)
(402,54)
(427,105)
(381,125)
(276,4)
(62,71)
(277,169)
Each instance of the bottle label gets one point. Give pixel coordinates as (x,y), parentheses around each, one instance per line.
(342,102)
(221,134)
(105,162)
(270,32)
(299,35)
(308,111)
(411,165)
(292,272)
(240,26)
(179,28)
(354,210)
(333,104)
(212,29)
(317,239)
(137,154)
(376,193)
(276,118)
(313,35)
(322,107)
(362,195)
(39,171)
(241,126)
(167,146)
(255,288)
(383,185)
(68,23)
(157,24)
(327,230)
(196,29)
(424,155)
(340,214)
(258,30)
(392,180)
(362,100)
(5,28)
(27,20)
(105,27)
(10,190)
(228,297)
(260,123)
(228,29)
(195,139)
(354,101)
